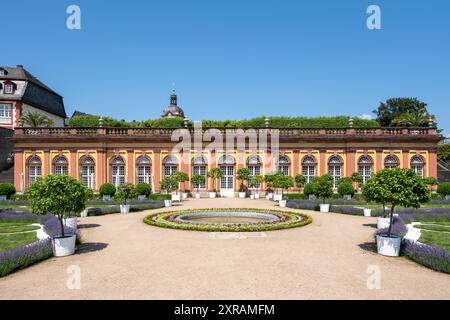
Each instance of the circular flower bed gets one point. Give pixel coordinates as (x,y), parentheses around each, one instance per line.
(281,220)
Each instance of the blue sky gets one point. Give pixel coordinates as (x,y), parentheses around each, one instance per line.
(234,59)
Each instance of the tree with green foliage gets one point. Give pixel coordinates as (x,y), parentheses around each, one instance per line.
(60,195)
(215,174)
(397,187)
(300,180)
(310,189)
(125,192)
(396,107)
(107,189)
(283,182)
(346,188)
(35,120)
(356,178)
(444,152)
(444,188)
(255,180)
(7,189)
(143,189)
(197,180)
(182,178)
(243,174)
(169,184)
(431,182)
(415,119)
(324,187)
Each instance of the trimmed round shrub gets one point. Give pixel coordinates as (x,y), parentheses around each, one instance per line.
(7,189)
(107,189)
(310,189)
(444,188)
(143,189)
(346,188)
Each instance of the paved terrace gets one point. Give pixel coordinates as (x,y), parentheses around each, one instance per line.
(123,258)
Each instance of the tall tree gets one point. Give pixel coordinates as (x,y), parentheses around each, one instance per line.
(412,120)
(395,107)
(36,120)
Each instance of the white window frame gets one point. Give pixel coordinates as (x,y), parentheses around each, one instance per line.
(6,111)
(9,88)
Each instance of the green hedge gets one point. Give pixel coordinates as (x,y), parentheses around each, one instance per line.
(7,189)
(159,196)
(275,122)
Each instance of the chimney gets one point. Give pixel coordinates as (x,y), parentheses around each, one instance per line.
(19,66)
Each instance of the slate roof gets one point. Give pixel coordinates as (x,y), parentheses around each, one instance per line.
(36,92)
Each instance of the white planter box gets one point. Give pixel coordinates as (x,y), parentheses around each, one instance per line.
(70,222)
(312,197)
(176,197)
(348,197)
(168,203)
(389,246)
(367,212)
(84,213)
(3,198)
(447,197)
(324,208)
(142,197)
(212,195)
(252,196)
(242,195)
(184,195)
(383,223)
(270,196)
(257,195)
(124,208)
(277,197)
(283,203)
(63,247)
(197,196)
(106,197)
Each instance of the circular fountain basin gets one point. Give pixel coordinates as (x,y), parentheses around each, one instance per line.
(226,218)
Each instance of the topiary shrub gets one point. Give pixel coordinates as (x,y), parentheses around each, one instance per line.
(346,188)
(143,189)
(125,192)
(7,189)
(107,189)
(310,189)
(444,188)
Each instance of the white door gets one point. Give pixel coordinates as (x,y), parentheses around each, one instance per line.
(227,182)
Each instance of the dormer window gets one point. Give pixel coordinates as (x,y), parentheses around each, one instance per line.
(9,87)
(3,72)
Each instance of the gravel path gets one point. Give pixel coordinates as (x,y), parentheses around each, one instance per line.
(123,258)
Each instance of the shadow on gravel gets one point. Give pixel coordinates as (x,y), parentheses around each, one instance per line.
(372,225)
(88,226)
(368,246)
(90,247)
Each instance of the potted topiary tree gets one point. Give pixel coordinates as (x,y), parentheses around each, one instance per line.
(444,189)
(257,181)
(324,190)
(58,195)
(284,183)
(345,189)
(182,179)
(242,175)
(124,193)
(356,178)
(143,190)
(6,191)
(277,196)
(398,187)
(214,174)
(268,178)
(107,191)
(169,184)
(197,180)
(300,181)
(431,182)
(310,190)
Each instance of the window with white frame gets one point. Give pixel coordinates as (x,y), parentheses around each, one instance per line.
(9,88)
(118,171)
(5,111)
(254,167)
(365,168)
(87,172)
(227,164)
(284,165)
(144,169)
(61,165)
(170,165)
(391,162)
(335,169)
(309,168)
(34,169)
(199,167)
(417,165)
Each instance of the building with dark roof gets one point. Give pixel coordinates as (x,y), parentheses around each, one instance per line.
(21,92)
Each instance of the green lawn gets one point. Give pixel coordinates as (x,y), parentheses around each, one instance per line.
(16,233)
(435,233)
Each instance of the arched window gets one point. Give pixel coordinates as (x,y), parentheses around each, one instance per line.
(117,171)
(254,166)
(61,165)
(284,164)
(144,169)
(87,171)
(226,163)
(391,162)
(335,169)
(309,164)
(34,169)
(170,165)
(199,167)
(417,165)
(365,168)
